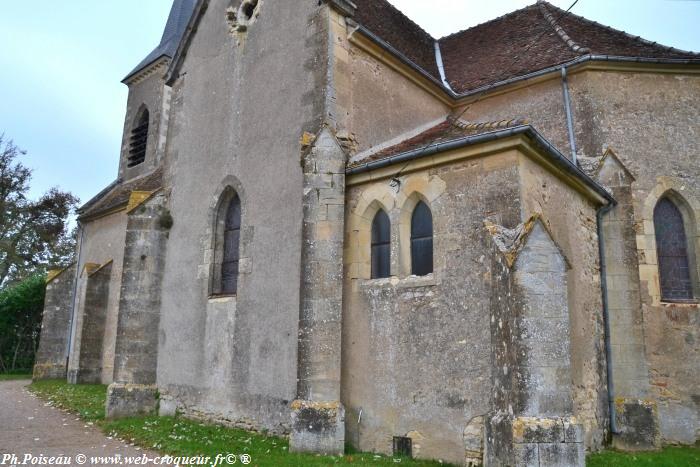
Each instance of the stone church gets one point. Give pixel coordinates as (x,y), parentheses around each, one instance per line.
(330,225)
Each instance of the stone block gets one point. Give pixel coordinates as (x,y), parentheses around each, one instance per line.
(637,424)
(678,423)
(526,455)
(128,400)
(562,455)
(573,431)
(537,430)
(318,427)
(49,371)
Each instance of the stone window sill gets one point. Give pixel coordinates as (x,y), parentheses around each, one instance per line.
(683,303)
(402,283)
(222,298)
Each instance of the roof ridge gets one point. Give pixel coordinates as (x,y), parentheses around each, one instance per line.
(486,22)
(631,36)
(573,45)
(410,20)
(491,125)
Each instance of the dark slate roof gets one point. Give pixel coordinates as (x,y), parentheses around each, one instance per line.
(179,17)
(446,131)
(525,41)
(118,194)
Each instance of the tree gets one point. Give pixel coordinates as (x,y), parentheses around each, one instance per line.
(21,307)
(34,235)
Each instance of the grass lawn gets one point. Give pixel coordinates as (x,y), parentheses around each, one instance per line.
(13,377)
(686,456)
(179,436)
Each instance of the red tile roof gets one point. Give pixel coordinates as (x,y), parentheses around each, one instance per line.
(531,39)
(448,130)
(395,28)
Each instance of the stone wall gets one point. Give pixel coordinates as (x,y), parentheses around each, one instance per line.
(88,358)
(151,93)
(416,350)
(102,242)
(650,120)
(318,417)
(417,355)
(135,359)
(571,219)
(531,421)
(239,109)
(52,355)
(648,116)
(373,102)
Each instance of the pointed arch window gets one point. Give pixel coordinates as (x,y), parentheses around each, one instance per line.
(673,252)
(231,246)
(381,245)
(421,240)
(139,140)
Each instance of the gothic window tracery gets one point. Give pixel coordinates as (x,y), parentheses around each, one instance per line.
(672,252)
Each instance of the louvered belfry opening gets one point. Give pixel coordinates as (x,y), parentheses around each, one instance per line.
(138,140)
(672,252)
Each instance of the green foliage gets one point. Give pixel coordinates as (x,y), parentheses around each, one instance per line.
(21,308)
(178,436)
(675,456)
(87,400)
(15,376)
(34,235)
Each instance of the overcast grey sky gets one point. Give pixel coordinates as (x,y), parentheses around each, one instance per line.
(62,62)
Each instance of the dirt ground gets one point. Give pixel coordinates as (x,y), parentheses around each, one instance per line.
(28,426)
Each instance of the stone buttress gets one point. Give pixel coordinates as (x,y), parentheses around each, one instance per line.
(52,355)
(87,367)
(532,420)
(134,390)
(636,414)
(318,417)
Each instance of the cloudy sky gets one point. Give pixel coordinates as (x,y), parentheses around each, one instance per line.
(61,64)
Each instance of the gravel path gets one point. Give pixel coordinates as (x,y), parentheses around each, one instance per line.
(29,426)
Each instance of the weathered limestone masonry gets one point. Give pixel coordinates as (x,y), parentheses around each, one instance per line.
(52,355)
(318,417)
(92,326)
(497,356)
(635,412)
(241,100)
(531,423)
(134,388)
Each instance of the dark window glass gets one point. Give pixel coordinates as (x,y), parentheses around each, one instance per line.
(403,446)
(422,240)
(138,141)
(232,237)
(672,251)
(381,246)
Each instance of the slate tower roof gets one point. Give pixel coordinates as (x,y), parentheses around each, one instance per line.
(179,17)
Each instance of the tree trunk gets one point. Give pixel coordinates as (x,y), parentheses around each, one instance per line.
(14,358)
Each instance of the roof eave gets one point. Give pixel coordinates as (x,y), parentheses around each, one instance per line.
(545,147)
(143,69)
(555,68)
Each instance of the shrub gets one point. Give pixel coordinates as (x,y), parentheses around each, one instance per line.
(21,307)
